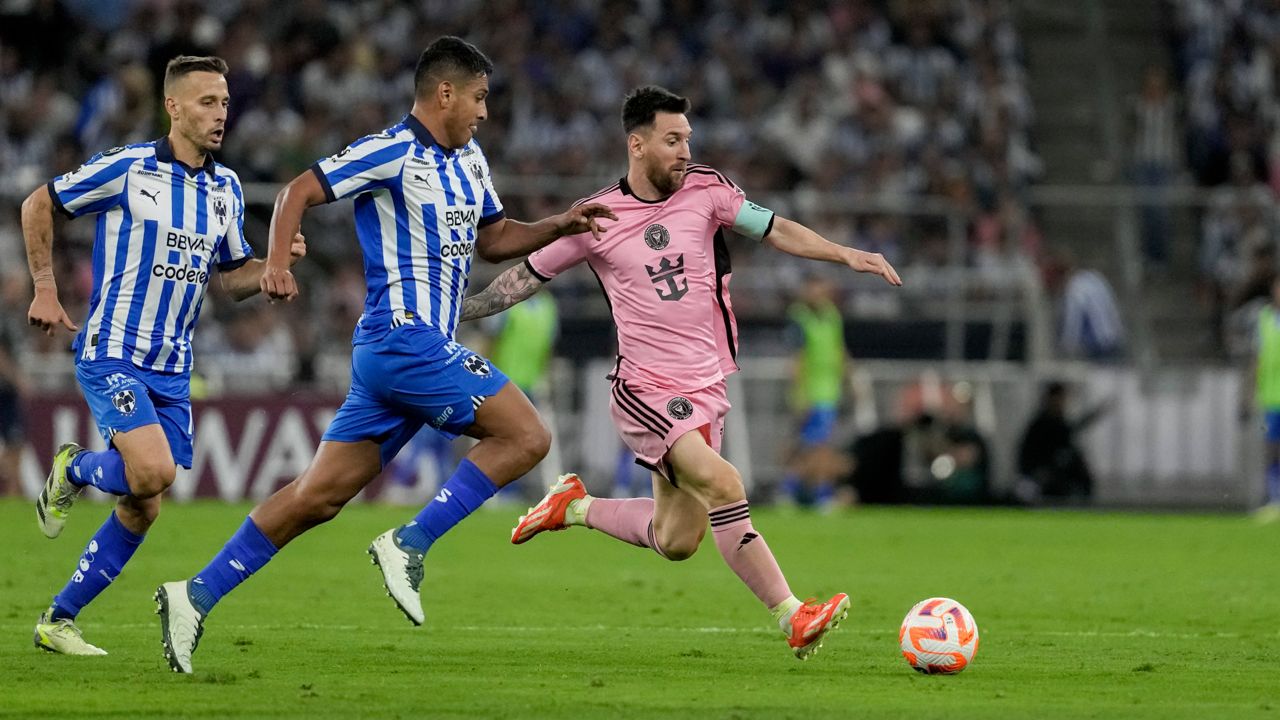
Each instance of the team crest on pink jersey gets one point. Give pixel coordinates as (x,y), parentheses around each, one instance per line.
(656,236)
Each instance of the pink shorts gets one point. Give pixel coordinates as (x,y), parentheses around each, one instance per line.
(650,419)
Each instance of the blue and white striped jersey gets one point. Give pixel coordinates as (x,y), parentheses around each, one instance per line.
(161,225)
(418,210)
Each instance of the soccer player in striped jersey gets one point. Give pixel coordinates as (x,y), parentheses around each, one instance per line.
(168,216)
(664,268)
(424,204)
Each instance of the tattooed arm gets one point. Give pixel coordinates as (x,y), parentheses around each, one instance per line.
(512,286)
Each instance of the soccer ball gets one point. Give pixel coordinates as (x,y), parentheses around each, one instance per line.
(938,637)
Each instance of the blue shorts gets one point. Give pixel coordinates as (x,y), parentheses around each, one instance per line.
(413,376)
(1271,417)
(123,396)
(819,425)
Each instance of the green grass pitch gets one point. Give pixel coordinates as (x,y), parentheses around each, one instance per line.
(1081,615)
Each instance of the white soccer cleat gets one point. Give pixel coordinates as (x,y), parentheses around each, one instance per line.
(62,636)
(401,573)
(181,624)
(54,503)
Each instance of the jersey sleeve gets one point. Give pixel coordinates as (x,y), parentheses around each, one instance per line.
(96,186)
(234,250)
(490,206)
(557,257)
(731,209)
(365,165)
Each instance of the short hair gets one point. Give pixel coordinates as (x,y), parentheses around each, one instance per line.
(644,103)
(186,64)
(448,58)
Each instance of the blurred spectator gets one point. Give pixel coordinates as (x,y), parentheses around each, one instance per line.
(1050,464)
(14,291)
(1154,130)
(1090,326)
(819,372)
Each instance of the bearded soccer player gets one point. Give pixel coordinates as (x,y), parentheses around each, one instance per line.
(168,215)
(424,203)
(664,268)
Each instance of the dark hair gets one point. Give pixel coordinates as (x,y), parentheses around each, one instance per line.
(184,64)
(448,58)
(643,103)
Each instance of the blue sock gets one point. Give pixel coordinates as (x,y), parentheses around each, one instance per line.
(104,557)
(1273,482)
(103,470)
(243,555)
(459,497)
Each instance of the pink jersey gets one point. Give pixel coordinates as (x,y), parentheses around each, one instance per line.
(664,267)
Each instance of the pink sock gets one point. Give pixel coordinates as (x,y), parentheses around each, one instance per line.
(747,553)
(629,520)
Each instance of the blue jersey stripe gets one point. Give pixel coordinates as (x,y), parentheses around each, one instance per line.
(117,274)
(466,183)
(162,318)
(404,254)
(93,182)
(430,221)
(372,160)
(140,284)
(457,306)
(184,326)
(177,203)
(202,204)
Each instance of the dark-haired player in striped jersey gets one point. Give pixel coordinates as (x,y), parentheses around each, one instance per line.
(664,267)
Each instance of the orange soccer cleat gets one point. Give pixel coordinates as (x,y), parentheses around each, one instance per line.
(550,512)
(811,622)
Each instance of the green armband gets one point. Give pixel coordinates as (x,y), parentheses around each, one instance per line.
(753,221)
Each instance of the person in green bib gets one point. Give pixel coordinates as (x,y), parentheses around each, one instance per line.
(816,333)
(521,343)
(1267,393)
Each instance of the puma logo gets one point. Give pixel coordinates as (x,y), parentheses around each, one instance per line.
(154,197)
(445,494)
(423,179)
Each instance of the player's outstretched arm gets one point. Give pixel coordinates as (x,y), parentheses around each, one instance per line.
(246,280)
(507,239)
(512,286)
(301,193)
(46,310)
(795,239)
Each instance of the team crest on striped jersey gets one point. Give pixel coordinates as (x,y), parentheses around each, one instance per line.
(680,408)
(220,209)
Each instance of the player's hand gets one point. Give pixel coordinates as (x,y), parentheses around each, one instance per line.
(278,284)
(584,219)
(297,249)
(872,263)
(47,314)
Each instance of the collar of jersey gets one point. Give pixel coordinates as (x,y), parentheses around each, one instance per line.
(164,153)
(424,136)
(625,187)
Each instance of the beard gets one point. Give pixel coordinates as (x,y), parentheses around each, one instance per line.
(664,180)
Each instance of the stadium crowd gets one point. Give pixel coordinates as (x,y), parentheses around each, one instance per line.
(1227,67)
(882,99)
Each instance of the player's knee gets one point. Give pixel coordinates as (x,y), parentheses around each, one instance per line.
(723,485)
(534,442)
(151,477)
(140,514)
(679,544)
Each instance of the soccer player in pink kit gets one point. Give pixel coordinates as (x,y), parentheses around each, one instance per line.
(664,268)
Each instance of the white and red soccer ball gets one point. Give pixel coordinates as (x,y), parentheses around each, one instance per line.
(938,637)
